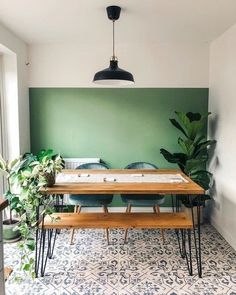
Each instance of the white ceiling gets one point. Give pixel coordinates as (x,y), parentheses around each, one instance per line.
(43,21)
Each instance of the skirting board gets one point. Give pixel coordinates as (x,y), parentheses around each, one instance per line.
(229,237)
(122,209)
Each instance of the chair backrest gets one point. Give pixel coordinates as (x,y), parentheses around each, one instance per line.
(141,165)
(99,166)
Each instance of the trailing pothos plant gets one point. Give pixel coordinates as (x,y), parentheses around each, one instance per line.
(30,177)
(193,154)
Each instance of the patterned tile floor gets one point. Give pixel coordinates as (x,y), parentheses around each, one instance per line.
(144,266)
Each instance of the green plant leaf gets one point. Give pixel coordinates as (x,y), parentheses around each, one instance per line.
(31,244)
(178,126)
(177,158)
(187,146)
(193,165)
(26,267)
(203,178)
(3,163)
(193,116)
(185,121)
(13,163)
(45,153)
(203,146)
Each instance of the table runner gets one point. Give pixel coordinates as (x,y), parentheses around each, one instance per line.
(119,178)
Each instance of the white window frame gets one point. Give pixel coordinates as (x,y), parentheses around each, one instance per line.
(3,133)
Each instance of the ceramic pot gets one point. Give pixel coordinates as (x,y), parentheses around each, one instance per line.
(10,234)
(50,177)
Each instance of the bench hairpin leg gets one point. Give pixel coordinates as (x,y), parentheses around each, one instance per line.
(52,246)
(181,235)
(197,236)
(45,243)
(36,244)
(189,256)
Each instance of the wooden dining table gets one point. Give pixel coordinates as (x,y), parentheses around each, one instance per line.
(168,182)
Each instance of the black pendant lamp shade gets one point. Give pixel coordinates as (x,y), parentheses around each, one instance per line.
(113,75)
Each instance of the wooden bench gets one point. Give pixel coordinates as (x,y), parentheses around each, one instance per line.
(117,220)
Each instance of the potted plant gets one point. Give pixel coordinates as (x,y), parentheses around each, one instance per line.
(30,177)
(193,155)
(11,231)
(46,164)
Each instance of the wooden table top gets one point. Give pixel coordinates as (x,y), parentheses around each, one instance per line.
(3,204)
(126,188)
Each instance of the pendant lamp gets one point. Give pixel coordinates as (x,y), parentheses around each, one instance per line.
(113,75)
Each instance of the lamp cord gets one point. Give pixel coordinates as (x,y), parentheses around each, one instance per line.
(113,40)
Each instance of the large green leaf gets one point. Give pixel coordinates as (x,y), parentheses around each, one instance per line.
(187,146)
(177,158)
(45,153)
(203,146)
(196,127)
(184,120)
(203,178)
(199,139)
(178,126)
(193,123)
(193,165)
(194,116)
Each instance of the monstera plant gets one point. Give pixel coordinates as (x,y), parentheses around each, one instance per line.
(193,155)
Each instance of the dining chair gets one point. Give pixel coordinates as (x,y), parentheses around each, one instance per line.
(144,200)
(96,200)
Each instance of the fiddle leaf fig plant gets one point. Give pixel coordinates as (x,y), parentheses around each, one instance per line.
(30,176)
(193,155)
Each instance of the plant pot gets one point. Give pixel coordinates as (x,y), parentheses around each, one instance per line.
(188,212)
(11,235)
(50,177)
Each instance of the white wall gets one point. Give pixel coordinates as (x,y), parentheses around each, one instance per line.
(153,65)
(15,72)
(222,104)
(11,138)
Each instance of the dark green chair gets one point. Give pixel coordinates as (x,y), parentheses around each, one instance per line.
(80,201)
(144,200)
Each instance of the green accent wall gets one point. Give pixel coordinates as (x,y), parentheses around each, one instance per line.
(119,126)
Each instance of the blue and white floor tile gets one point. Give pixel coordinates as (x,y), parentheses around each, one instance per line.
(144,266)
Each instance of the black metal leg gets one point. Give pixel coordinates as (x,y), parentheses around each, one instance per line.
(197,234)
(50,233)
(43,251)
(189,256)
(36,243)
(62,202)
(183,236)
(52,245)
(49,250)
(180,233)
(45,244)
(172,203)
(39,243)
